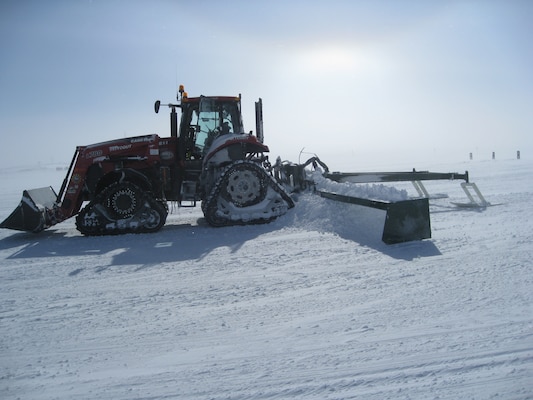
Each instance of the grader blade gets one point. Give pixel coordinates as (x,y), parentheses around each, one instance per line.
(33,214)
(406,220)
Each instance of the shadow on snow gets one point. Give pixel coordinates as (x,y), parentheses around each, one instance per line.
(187,242)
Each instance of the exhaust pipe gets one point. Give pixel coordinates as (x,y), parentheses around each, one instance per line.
(36,211)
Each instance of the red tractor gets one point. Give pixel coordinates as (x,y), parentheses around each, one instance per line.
(123,185)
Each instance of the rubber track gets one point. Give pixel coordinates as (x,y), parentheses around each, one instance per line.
(209,207)
(104,222)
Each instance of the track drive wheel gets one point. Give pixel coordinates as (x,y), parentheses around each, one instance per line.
(123,199)
(245,187)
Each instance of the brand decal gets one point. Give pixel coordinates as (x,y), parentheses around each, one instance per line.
(74,186)
(121,147)
(94,153)
(142,139)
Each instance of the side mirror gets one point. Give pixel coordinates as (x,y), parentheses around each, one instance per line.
(156,106)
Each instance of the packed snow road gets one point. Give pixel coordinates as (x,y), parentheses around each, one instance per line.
(311,306)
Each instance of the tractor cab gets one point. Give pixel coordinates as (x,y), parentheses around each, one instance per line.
(205,119)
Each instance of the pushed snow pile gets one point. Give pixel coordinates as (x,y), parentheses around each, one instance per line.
(366,191)
(363,225)
(358,223)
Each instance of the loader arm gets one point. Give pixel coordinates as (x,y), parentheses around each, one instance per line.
(69,206)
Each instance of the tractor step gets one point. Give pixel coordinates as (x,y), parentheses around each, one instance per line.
(188,194)
(35,212)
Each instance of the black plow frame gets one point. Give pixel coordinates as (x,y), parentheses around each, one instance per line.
(413,176)
(405,221)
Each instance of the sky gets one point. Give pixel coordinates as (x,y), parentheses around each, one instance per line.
(361,81)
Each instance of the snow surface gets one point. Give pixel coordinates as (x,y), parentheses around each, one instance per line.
(311,306)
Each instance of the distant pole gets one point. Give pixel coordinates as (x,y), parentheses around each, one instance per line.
(493,155)
(518,155)
(471,156)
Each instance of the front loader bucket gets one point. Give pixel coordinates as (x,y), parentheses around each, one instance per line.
(34,212)
(406,220)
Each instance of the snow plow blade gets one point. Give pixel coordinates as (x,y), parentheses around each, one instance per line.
(406,220)
(35,211)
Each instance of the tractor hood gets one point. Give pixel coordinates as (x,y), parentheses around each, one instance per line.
(232,147)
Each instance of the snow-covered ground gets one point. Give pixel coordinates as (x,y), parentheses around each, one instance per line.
(311,306)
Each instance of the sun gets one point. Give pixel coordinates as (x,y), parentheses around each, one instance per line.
(329,59)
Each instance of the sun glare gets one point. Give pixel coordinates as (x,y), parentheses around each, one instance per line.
(330,59)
